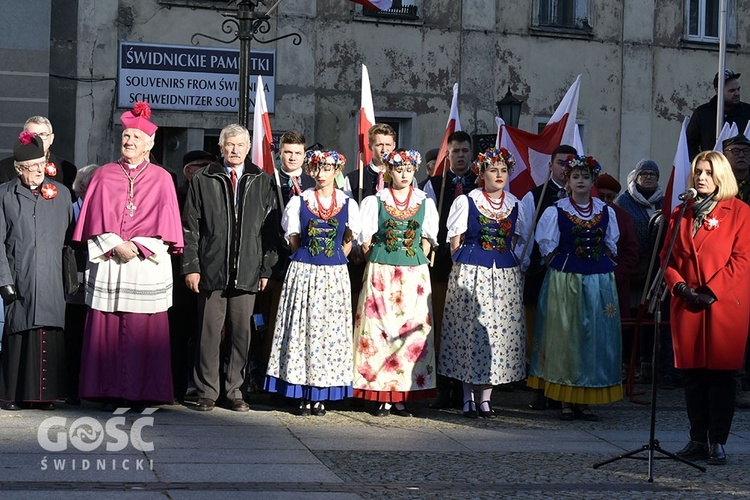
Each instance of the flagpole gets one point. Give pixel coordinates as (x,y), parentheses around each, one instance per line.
(441,199)
(536,214)
(360,166)
(276,177)
(722,66)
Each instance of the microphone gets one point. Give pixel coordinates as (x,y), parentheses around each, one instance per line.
(688,195)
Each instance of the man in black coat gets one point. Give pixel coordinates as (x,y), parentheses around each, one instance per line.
(230,224)
(57,169)
(35,215)
(701,130)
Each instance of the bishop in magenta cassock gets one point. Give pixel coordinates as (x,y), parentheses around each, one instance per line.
(131,222)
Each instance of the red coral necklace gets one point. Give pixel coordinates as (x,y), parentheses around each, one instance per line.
(325,213)
(583,211)
(402,205)
(496,205)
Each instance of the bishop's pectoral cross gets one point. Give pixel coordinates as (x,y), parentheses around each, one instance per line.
(131,206)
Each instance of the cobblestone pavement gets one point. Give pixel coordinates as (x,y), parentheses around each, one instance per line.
(272,453)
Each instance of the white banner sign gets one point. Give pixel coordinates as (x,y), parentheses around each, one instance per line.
(187,78)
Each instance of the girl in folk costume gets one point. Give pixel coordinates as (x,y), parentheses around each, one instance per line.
(576,345)
(312,347)
(394,357)
(483,339)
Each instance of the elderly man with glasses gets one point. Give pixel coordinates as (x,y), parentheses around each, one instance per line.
(55,167)
(35,213)
(737,151)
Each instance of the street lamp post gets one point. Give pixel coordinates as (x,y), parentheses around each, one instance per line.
(509,109)
(245,24)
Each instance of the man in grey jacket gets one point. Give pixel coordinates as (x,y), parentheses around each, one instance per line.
(230,224)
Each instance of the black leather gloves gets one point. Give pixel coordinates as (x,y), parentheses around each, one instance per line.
(700,298)
(8,293)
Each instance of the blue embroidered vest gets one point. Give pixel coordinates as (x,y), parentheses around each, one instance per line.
(320,241)
(581,248)
(488,242)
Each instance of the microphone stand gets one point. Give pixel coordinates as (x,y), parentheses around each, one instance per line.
(656,295)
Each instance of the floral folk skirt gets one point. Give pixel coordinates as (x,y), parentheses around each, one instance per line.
(394,354)
(483,337)
(311,354)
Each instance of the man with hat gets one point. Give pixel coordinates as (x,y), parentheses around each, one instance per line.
(737,151)
(131,223)
(701,130)
(192,161)
(183,315)
(430,159)
(56,168)
(35,213)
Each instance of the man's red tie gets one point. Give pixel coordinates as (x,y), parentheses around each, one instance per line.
(296,189)
(233,177)
(458,189)
(381,181)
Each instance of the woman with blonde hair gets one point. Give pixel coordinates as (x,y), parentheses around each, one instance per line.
(708,274)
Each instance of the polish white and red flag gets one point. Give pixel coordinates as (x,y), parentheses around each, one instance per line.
(532,151)
(678,178)
(365,121)
(375,4)
(727,131)
(454,124)
(262,154)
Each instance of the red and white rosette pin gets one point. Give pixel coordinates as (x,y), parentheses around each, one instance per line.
(48,191)
(50,170)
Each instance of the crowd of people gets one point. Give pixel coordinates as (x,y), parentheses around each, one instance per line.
(369,286)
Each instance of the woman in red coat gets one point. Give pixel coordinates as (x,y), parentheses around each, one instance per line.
(709,276)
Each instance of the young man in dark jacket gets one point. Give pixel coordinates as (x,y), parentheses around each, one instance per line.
(230,223)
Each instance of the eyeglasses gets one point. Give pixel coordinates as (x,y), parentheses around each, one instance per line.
(33,166)
(45,135)
(738,151)
(648,174)
(401,169)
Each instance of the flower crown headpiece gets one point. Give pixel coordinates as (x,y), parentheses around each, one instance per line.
(588,163)
(318,158)
(399,158)
(490,156)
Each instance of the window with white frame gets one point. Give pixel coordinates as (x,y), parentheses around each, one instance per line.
(563,14)
(702,20)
